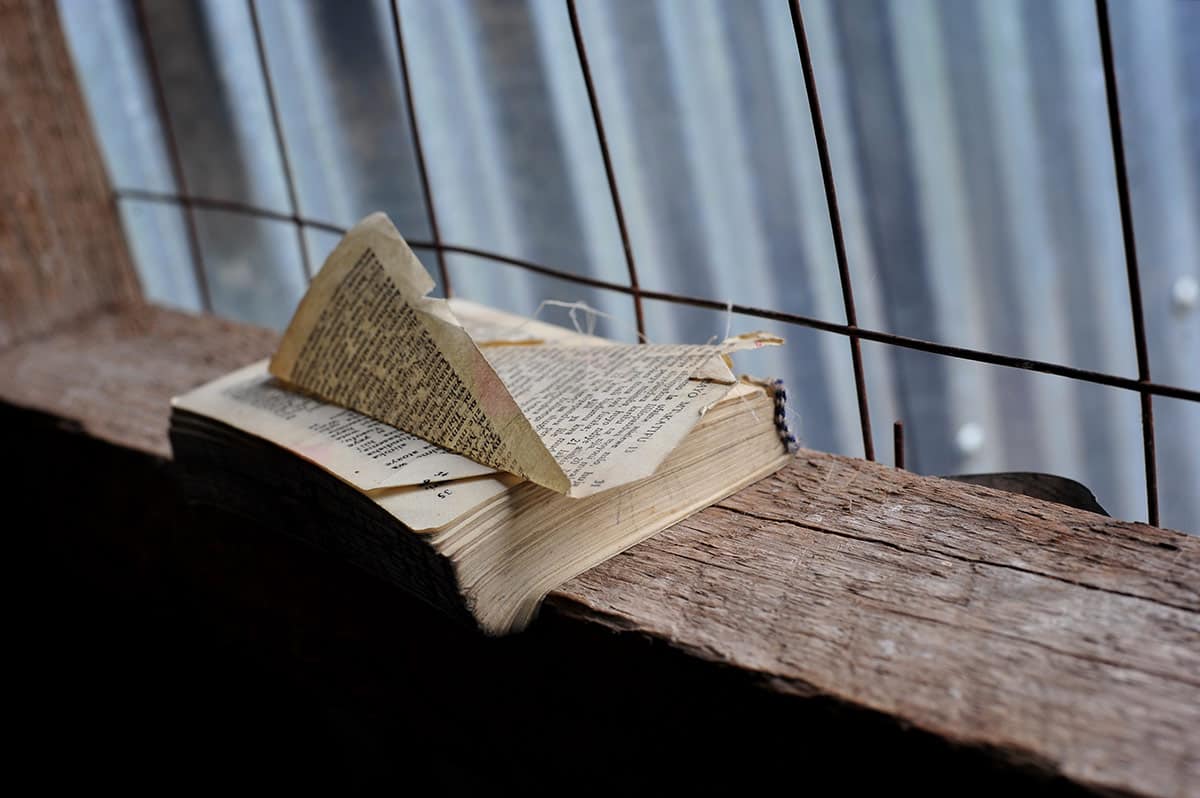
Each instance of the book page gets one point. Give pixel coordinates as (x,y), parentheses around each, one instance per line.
(431,507)
(608,417)
(575,419)
(367,337)
(364,452)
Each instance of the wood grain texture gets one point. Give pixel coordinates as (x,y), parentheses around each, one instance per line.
(1059,637)
(113,375)
(1046,634)
(1049,635)
(62,252)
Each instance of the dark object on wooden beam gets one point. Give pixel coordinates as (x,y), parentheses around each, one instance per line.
(933,603)
(963,638)
(1040,486)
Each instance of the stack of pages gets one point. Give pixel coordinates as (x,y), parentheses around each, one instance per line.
(475,458)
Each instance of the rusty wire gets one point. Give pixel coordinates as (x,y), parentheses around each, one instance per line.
(1143,385)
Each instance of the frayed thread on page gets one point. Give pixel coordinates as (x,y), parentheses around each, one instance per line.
(579,305)
(780,390)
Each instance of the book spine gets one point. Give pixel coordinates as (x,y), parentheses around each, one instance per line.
(280,493)
(779,393)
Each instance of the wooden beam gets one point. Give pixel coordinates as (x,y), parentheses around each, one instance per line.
(62,254)
(112,375)
(1037,630)
(1061,640)
(1051,636)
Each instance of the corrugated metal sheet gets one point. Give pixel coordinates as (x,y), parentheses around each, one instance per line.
(969,141)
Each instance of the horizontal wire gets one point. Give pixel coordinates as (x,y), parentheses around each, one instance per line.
(231,206)
(877,336)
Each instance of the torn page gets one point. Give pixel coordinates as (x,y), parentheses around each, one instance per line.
(367,337)
(577,420)
(360,450)
(610,415)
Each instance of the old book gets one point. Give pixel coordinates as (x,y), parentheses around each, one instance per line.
(476,458)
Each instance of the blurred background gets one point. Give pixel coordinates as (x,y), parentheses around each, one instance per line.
(969,140)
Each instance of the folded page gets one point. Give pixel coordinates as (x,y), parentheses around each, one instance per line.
(575,419)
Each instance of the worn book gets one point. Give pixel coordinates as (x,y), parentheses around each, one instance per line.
(474,457)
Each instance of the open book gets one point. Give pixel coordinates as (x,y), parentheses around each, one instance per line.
(474,457)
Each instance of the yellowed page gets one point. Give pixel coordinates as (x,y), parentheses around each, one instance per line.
(367,337)
(431,507)
(611,415)
(575,419)
(364,452)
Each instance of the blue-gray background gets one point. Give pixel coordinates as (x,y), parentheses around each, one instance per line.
(969,141)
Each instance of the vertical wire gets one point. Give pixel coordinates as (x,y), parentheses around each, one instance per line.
(898,445)
(173,154)
(835,222)
(1131,261)
(277,124)
(422,170)
(630,265)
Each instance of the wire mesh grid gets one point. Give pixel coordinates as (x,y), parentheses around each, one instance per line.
(1143,385)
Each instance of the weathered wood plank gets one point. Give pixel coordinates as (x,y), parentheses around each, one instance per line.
(1031,628)
(1045,633)
(113,374)
(976,524)
(62,253)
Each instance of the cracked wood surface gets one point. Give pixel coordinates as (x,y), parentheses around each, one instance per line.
(113,374)
(1050,635)
(1047,634)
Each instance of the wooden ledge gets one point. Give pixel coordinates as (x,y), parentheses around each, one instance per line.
(1052,636)
(113,374)
(1031,628)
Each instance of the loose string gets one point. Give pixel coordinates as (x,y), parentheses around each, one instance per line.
(572,307)
(779,390)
